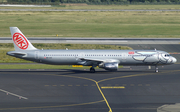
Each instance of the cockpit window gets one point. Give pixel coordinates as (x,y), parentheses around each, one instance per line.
(167,55)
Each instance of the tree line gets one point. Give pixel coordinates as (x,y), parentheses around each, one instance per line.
(96,1)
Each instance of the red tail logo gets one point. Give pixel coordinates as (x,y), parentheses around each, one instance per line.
(20,41)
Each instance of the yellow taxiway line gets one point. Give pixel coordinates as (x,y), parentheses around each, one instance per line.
(112,87)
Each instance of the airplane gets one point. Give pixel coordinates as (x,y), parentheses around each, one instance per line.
(106,59)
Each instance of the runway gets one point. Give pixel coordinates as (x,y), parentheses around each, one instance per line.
(93,10)
(96,40)
(136,89)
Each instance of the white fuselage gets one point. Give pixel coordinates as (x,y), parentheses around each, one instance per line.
(89,57)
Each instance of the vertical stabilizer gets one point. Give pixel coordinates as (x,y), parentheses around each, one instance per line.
(20,41)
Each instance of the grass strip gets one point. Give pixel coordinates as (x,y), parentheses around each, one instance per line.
(37,66)
(159,24)
(41,66)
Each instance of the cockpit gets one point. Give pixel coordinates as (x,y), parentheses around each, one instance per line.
(167,55)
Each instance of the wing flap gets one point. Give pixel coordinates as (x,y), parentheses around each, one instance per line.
(91,59)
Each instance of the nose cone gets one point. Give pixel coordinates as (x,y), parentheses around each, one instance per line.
(174,60)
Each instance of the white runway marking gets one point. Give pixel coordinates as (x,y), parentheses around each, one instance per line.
(20,97)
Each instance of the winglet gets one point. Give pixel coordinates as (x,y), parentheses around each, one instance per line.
(20,41)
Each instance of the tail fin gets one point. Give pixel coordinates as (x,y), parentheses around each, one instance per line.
(20,41)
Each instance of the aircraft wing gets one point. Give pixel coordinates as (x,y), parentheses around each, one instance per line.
(100,60)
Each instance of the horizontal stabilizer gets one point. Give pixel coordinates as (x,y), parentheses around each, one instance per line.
(12,53)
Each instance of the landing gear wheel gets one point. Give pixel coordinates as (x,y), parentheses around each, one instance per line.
(92,70)
(156,69)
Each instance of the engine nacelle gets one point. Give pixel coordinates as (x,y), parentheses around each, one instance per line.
(113,66)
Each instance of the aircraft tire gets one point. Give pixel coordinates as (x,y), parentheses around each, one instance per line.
(92,70)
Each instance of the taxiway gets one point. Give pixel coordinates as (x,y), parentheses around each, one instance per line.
(136,89)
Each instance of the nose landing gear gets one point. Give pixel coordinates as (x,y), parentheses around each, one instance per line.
(156,69)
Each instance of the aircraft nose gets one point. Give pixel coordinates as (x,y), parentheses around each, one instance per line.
(174,60)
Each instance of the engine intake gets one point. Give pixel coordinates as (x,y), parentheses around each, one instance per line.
(109,66)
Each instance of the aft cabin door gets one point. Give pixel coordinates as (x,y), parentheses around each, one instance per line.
(36,54)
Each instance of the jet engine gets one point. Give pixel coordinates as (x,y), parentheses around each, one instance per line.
(113,66)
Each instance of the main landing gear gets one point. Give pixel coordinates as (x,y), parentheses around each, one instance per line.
(156,69)
(92,70)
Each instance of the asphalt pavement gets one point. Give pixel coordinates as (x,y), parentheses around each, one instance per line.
(136,89)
